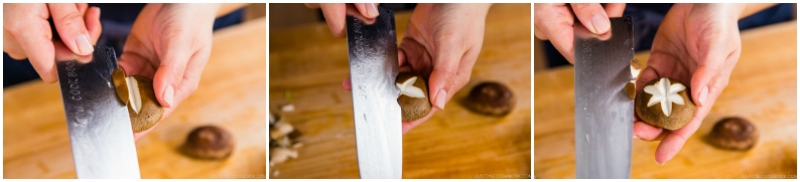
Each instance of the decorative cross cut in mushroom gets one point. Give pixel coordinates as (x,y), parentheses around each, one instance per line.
(413,97)
(407,88)
(665,93)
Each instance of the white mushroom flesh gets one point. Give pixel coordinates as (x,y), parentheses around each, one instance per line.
(280,129)
(665,93)
(407,88)
(133,94)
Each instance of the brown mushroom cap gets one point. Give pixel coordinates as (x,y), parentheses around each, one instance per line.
(413,108)
(490,98)
(150,112)
(208,142)
(733,133)
(653,115)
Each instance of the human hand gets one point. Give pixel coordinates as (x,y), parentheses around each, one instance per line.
(699,45)
(334,14)
(441,43)
(554,22)
(170,43)
(27,34)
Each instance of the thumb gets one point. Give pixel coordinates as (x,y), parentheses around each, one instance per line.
(443,77)
(69,22)
(168,77)
(334,14)
(700,84)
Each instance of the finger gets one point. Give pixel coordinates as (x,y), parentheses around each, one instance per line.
(312,5)
(346,85)
(401,57)
(673,142)
(445,71)
(93,26)
(176,50)
(33,37)
(646,132)
(369,10)
(558,21)
(82,7)
(136,64)
(648,74)
(412,51)
(407,126)
(593,16)
(334,16)
(539,34)
(11,47)
(614,9)
(701,80)
(192,74)
(71,27)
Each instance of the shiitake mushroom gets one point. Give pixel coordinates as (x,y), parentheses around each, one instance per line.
(413,98)
(208,142)
(490,98)
(733,133)
(665,103)
(137,93)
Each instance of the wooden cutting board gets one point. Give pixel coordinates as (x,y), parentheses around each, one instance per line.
(310,64)
(231,94)
(762,88)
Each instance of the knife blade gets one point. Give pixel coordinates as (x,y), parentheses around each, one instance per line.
(603,111)
(99,126)
(373,63)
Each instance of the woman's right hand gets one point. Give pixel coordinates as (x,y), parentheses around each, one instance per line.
(554,22)
(335,12)
(27,33)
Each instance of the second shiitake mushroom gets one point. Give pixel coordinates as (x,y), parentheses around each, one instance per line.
(208,142)
(665,103)
(490,98)
(733,133)
(137,93)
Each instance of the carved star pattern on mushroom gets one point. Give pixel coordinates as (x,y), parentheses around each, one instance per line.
(407,88)
(665,93)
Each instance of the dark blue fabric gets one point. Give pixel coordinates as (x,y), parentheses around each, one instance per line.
(647,18)
(117,20)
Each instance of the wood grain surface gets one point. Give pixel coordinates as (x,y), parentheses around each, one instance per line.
(762,88)
(231,94)
(311,64)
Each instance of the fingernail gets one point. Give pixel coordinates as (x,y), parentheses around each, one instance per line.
(84,46)
(168,95)
(372,9)
(660,164)
(635,137)
(703,94)
(440,99)
(600,23)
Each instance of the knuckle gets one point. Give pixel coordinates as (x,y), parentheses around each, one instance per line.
(70,20)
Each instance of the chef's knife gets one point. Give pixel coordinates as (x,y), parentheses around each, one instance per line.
(99,127)
(372,48)
(603,110)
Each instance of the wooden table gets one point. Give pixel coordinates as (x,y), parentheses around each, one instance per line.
(762,88)
(231,94)
(455,143)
